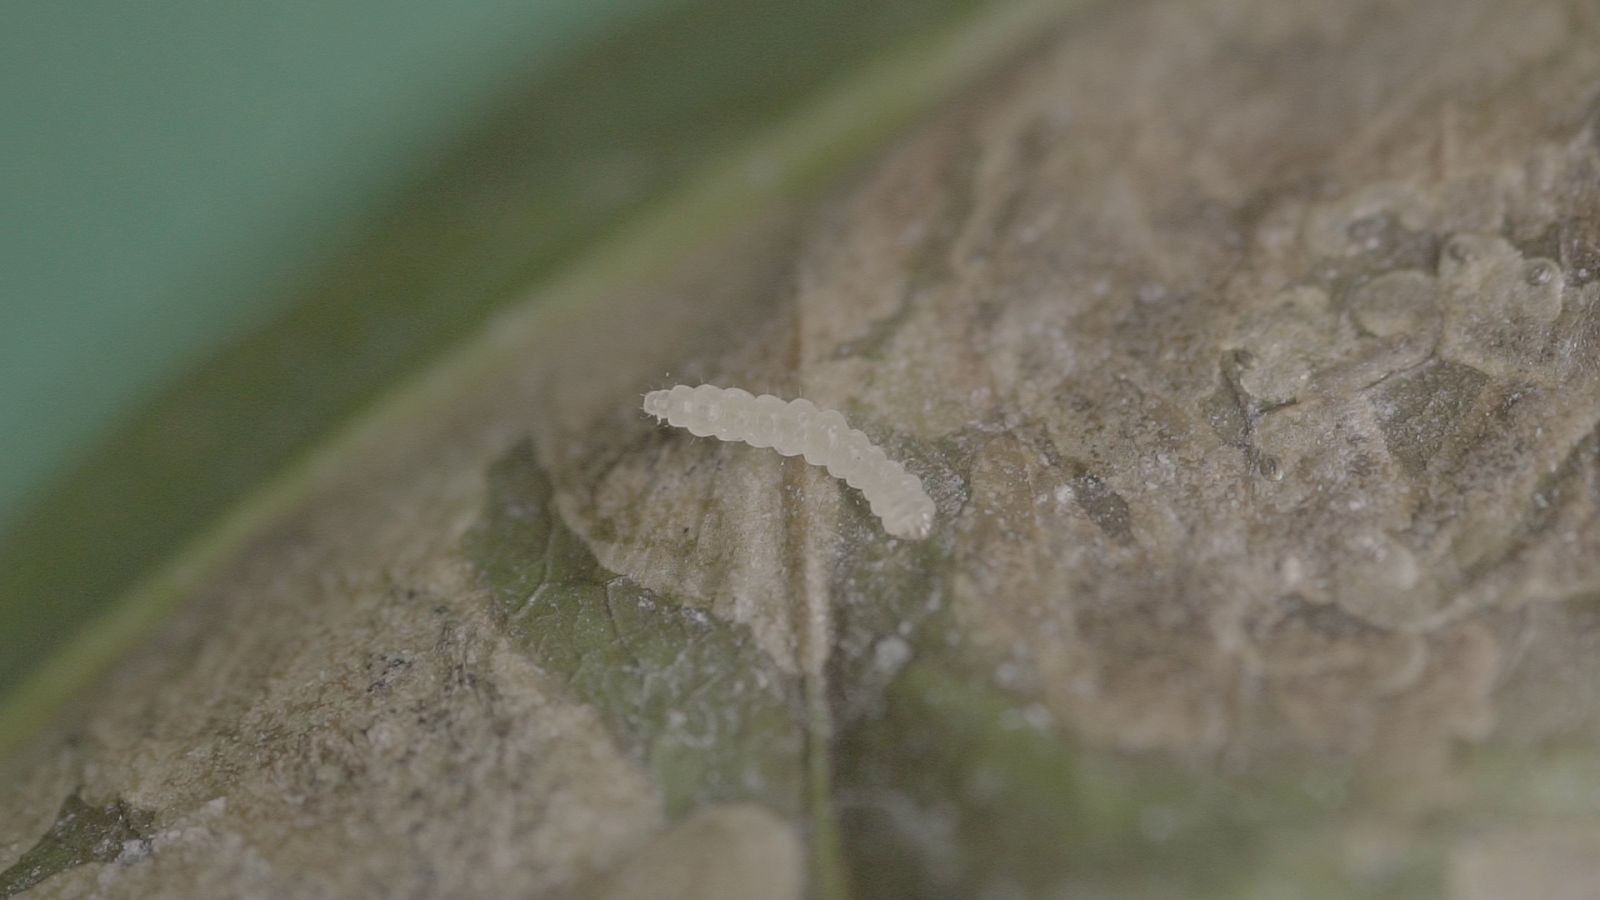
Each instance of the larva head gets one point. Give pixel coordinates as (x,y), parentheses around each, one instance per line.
(655,403)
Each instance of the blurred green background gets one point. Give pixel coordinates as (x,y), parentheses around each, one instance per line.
(169,169)
(226,228)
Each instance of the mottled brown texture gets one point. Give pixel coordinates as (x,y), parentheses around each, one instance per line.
(1251,355)
(1249,350)
(1255,319)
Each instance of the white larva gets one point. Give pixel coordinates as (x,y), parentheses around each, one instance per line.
(798,427)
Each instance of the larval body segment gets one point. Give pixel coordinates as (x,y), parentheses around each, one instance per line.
(797,428)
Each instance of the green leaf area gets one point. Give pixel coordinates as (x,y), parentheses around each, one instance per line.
(80,834)
(954,787)
(689,696)
(956,791)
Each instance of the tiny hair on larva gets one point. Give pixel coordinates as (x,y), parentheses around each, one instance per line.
(799,428)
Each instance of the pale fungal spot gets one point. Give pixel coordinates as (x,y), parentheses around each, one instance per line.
(1292,571)
(891,653)
(799,428)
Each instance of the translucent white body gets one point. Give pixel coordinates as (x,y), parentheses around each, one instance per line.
(797,428)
